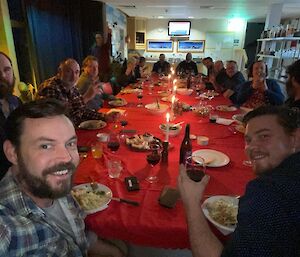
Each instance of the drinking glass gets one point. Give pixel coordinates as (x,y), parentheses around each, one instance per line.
(97,150)
(123,123)
(153,158)
(195,167)
(139,97)
(113,142)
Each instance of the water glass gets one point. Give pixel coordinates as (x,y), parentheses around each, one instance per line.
(114,167)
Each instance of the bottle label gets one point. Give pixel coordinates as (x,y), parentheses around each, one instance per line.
(187,154)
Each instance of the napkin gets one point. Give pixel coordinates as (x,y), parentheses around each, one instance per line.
(116,110)
(224,121)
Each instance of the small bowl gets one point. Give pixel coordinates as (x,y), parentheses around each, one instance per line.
(184,91)
(154,109)
(173,131)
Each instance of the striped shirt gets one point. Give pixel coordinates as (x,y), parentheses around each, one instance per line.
(26,231)
(79,112)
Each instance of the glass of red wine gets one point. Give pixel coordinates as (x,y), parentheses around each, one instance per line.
(195,167)
(139,97)
(153,158)
(113,142)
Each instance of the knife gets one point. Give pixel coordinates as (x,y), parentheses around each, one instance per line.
(125,201)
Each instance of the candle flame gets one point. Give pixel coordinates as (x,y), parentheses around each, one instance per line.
(168,117)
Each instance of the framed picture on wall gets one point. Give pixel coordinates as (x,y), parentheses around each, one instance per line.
(195,46)
(159,45)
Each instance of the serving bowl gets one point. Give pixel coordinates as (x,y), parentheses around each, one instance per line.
(174,130)
(155,108)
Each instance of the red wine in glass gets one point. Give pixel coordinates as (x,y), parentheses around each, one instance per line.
(195,174)
(153,159)
(113,146)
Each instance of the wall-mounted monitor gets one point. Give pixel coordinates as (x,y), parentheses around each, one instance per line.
(179,28)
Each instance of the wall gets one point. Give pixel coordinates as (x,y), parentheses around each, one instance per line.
(117,21)
(6,39)
(200,30)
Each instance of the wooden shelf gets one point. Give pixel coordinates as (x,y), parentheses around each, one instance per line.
(279,39)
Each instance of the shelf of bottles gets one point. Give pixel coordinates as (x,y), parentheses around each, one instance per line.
(278,47)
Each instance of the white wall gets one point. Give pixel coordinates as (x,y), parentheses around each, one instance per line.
(158,29)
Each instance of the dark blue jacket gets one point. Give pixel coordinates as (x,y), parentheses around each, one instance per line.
(273,95)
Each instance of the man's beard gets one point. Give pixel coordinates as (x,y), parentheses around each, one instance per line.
(38,186)
(5,88)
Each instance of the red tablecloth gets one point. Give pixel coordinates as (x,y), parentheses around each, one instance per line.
(151,224)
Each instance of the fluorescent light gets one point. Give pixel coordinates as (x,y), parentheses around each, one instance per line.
(235,24)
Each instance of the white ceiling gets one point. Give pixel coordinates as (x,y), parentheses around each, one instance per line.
(252,10)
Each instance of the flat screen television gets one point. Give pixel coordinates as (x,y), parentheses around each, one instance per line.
(179,28)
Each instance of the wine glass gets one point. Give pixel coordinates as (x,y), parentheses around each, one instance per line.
(113,142)
(153,158)
(195,167)
(123,123)
(139,97)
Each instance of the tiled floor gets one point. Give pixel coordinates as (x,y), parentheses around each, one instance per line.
(139,251)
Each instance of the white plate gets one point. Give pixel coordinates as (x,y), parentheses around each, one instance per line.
(106,197)
(238,118)
(92,124)
(118,102)
(219,159)
(225,230)
(225,108)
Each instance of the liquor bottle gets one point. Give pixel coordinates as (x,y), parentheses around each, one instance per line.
(186,146)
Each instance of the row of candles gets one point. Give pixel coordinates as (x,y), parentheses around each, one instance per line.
(172,102)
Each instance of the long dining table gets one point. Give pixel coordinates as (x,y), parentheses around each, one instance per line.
(151,224)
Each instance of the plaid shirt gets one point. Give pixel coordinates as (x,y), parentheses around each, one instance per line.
(79,112)
(25,230)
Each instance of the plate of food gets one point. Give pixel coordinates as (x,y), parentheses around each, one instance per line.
(222,210)
(92,200)
(118,102)
(140,142)
(212,158)
(92,124)
(226,108)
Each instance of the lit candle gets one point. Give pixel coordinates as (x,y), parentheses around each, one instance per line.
(174,90)
(169,78)
(168,126)
(173,101)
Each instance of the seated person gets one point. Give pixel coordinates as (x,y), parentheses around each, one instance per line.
(268,220)
(187,66)
(217,77)
(209,64)
(259,91)
(38,215)
(161,66)
(140,70)
(233,80)
(8,102)
(127,76)
(293,85)
(63,87)
(89,78)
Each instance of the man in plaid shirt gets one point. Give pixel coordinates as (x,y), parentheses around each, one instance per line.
(63,87)
(38,216)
